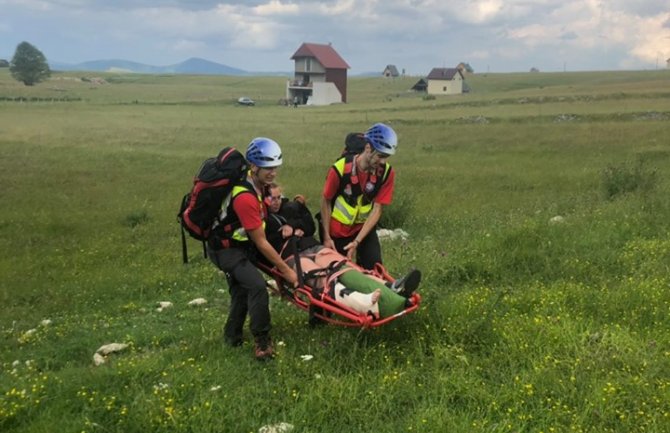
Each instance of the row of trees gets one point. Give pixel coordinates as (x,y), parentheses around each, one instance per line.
(28,65)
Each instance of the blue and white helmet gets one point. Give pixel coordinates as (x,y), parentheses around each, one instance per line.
(383,138)
(264,152)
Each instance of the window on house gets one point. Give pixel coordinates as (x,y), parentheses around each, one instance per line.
(308,64)
(444,89)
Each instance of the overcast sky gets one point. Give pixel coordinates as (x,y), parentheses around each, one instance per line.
(415,35)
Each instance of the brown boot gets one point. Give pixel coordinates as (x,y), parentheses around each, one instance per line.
(263,349)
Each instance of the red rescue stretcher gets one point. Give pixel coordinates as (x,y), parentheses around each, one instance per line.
(324,307)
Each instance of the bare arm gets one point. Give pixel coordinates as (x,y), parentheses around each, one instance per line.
(326,210)
(258,237)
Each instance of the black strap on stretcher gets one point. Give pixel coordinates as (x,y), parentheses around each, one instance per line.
(293,243)
(314,273)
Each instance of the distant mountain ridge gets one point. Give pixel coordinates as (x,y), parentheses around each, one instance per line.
(194,65)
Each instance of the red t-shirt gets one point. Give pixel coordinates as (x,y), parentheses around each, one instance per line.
(249,210)
(384,197)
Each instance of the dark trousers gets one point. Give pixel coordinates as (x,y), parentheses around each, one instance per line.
(368,252)
(248,294)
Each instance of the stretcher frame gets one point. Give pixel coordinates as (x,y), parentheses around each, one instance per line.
(327,309)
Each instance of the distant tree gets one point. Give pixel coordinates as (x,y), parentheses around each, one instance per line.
(534,69)
(4,63)
(468,68)
(29,65)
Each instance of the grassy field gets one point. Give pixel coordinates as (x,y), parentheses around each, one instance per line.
(537,207)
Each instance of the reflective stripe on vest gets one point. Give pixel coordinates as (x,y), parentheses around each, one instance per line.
(352,211)
(240,235)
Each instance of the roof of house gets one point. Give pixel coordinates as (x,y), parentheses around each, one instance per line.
(392,70)
(443,74)
(421,84)
(324,54)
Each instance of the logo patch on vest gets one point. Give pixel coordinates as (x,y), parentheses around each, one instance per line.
(347,189)
(369,187)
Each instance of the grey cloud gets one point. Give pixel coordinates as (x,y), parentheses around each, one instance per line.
(643,8)
(568,36)
(189,5)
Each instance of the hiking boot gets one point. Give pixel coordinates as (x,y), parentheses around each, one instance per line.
(263,350)
(233,341)
(232,335)
(406,285)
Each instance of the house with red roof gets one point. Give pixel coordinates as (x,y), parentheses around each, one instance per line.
(445,81)
(320,76)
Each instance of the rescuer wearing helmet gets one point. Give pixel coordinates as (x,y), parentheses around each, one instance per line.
(357,187)
(239,236)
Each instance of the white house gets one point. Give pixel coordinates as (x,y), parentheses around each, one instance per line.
(445,81)
(320,76)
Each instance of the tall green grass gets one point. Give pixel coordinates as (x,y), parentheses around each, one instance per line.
(529,322)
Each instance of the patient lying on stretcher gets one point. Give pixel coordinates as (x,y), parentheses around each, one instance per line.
(327,270)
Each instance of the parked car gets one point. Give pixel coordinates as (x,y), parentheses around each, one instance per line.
(246,101)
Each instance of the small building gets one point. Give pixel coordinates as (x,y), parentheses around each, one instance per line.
(390,71)
(445,81)
(421,85)
(320,76)
(463,67)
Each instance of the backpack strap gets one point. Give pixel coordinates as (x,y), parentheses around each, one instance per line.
(184,252)
(184,248)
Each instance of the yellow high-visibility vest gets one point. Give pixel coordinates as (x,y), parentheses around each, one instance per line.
(351,206)
(239,234)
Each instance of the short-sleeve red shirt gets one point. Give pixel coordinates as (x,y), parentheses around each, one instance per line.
(330,189)
(249,210)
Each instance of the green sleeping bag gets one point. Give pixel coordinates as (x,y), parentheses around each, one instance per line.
(390,303)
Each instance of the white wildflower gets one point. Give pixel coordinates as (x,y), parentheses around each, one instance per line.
(215,388)
(16,363)
(557,220)
(45,322)
(307,357)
